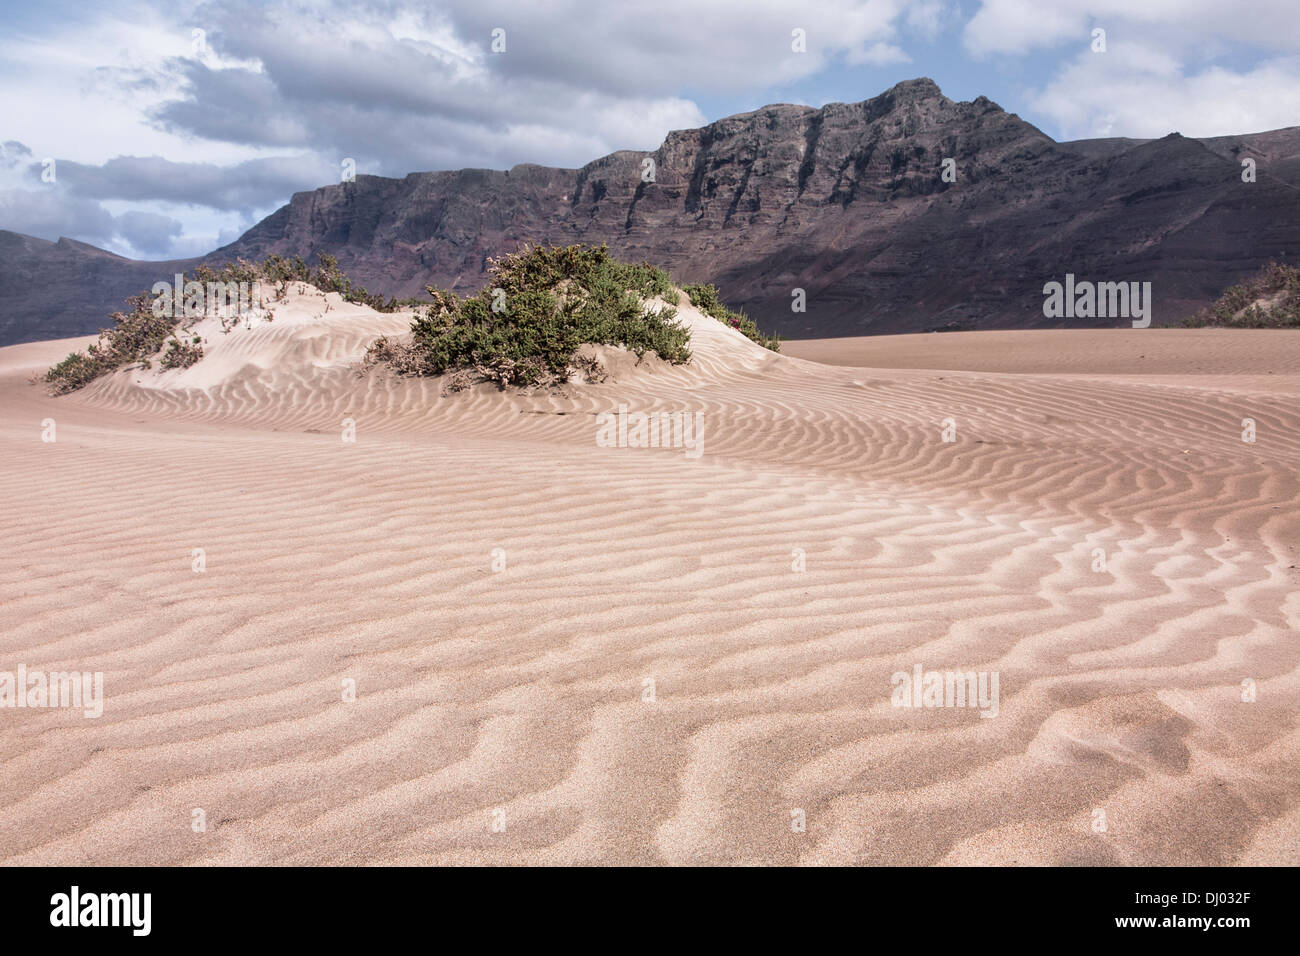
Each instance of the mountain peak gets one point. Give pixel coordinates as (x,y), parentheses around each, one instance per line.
(922,87)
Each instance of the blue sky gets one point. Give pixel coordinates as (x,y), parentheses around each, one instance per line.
(174,126)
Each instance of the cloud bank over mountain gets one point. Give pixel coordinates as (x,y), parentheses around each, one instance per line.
(175,127)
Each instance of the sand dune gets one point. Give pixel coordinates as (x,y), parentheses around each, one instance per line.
(648,679)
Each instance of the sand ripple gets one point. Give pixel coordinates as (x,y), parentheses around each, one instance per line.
(517,696)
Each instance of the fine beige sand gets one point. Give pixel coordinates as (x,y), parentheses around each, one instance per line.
(649,679)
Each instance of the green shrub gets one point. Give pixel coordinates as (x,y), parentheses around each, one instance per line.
(136,335)
(181,354)
(524,328)
(540,305)
(76,371)
(140,333)
(1239,305)
(278,270)
(706,299)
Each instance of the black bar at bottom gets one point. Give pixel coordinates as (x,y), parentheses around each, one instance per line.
(333,906)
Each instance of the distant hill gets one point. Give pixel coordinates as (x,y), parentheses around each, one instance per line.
(845,202)
(51,290)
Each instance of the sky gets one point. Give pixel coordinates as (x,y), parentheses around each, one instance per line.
(165,129)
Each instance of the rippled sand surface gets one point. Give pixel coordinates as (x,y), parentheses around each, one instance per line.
(565,653)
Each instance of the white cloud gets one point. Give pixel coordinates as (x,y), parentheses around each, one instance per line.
(1129,93)
(928,18)
(879,54)
(1022,26)
(1017,26)
(1200,67)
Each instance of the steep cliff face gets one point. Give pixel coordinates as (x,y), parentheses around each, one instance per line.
(847,203)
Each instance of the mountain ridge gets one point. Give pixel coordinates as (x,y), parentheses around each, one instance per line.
(845,201)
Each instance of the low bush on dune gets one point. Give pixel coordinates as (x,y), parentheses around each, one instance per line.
(150,324)
(137,333)
(540,306)
(1268,300)
(181,354)
(279,271)
(706,299)
(526,327)
(537,268)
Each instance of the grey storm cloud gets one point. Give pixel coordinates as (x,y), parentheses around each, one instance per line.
(594,51)
(398,110)
(344,84)
(149,232)
(231,105)
(14,154)
(51,213)
(248,185)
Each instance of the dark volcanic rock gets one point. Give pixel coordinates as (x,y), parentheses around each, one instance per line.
(845,202)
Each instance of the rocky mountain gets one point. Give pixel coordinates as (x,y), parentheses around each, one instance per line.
(51,290)
(847,202)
